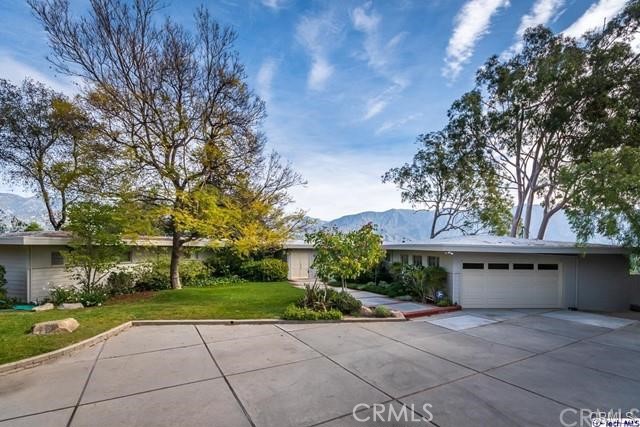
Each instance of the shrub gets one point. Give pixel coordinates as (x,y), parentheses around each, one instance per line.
(121,283)
(193,270)
(96,296)
(344,302)
(315,297)
(445,302)
(223,262)
(382,311)
(216,281)
(264,270)
(59,295)
(154,276)
(293,312)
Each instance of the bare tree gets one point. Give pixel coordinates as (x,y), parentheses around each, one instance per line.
(175,106)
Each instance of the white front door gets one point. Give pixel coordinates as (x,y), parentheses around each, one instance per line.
(298,265)
(509,284)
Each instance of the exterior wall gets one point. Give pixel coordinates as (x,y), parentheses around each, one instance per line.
(14,259)
(604,283)
(45,276)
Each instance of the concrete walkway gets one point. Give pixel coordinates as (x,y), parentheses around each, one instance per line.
(477,367)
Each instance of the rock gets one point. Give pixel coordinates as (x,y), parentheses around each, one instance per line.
(366,311)
(70,306)
(44,307)
(404,298)
(55,327)
(398,314)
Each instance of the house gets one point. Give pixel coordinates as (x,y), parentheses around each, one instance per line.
(34,263)
(505,272)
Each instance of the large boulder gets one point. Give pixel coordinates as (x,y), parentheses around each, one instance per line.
(70,306)
(43,307)
(63,326)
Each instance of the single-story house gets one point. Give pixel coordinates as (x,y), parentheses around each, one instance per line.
(505,272)
(34,263)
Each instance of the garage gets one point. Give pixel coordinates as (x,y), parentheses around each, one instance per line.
(511,284)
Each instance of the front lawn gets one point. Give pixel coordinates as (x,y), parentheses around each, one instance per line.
(239,301)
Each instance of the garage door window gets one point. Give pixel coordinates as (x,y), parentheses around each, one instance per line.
(498,266)
(547,266)
(472,266)
(523,266)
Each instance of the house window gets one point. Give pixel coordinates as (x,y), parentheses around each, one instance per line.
(433,261)
(472,266)
(498,266)
(127,256)
(387,256)
(57,258)
(523,266)
(547,266)
(417,260)
(404,259)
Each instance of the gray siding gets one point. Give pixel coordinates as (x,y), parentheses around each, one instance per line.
(14,259)
(604,283)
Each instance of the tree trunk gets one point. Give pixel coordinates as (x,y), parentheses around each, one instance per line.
(515,221)
(545,220)
(344,284)
(174,271)
(527,218)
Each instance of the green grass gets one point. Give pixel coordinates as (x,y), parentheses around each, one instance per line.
(241,301)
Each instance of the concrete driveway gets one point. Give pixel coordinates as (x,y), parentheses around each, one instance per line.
(481,367)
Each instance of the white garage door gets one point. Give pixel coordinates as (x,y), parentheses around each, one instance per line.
(510,285)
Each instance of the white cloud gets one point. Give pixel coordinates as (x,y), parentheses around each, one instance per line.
(379,56)
(273,4)
(395,124)
(374,107)
(542,12)
(471,24)
(265,78)
(595,17)
(316,34)
(17,71)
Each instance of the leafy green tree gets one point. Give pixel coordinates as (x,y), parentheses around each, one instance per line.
(180,118)
(344,256)
(33,226)
(46,144)
(459,188)
(96,244)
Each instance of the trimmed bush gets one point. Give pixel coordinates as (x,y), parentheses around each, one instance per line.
(94,297)
(293,312)
(382,311)
(208,282)
(60,295)
(121,283)
(154,276)
(264,270)
(344,302)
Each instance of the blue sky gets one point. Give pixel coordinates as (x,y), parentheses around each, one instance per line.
(348,84)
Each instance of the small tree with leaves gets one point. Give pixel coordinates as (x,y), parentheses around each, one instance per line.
(96,245)
(344,256)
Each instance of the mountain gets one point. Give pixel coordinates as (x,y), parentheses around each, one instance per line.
(398,225)
(27,209)
(395,225)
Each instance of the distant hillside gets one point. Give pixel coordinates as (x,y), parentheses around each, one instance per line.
(27,209)
(397,225)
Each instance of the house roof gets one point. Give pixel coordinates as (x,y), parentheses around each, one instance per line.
(493,244)
(49,238)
